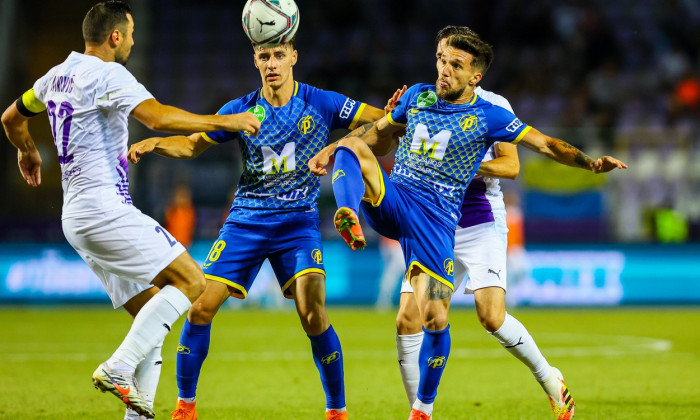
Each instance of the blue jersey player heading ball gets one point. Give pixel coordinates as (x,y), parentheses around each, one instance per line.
(448,130)
(273,216)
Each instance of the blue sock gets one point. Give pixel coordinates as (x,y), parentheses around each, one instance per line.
(348,185)
(329,361)
(432,359)
(191,352)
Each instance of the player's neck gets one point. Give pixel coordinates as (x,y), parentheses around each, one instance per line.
(465,97)
(99,51)
(279,96)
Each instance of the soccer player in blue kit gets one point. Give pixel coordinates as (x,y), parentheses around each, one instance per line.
(448,130)
(273,216)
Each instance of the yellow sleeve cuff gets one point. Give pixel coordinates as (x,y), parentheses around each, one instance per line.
(521,135)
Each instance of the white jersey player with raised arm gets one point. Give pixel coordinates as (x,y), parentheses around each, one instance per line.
(88,102)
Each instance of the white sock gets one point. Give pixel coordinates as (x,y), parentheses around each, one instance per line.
(408,349)
(514,337)
(187,400)
(151,325)
(147,376)
(421,406)
(340,410)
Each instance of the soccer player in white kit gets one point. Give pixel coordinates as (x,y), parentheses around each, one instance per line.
(89,98)
(480,251)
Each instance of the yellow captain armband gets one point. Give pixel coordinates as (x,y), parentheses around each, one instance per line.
(28,105)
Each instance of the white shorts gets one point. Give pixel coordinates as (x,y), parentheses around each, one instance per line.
(124,247)
(480,253)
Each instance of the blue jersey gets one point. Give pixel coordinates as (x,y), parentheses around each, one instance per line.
(276,181)
(445,143)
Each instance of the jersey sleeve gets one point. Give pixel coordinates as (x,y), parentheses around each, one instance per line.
(223,136)
(41,86)
(398,116)
(503,125)
(28,104)
(343,112)
(121,91)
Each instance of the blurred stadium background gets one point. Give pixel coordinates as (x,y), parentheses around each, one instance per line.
(620,78)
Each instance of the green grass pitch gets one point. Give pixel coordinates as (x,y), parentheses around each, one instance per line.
(624,363)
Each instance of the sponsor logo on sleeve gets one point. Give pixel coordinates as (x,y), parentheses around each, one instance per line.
(514,125)
(347,108)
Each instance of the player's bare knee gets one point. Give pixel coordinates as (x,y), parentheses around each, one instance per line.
(435,321)
(407,323)
(491,321)
(200,313)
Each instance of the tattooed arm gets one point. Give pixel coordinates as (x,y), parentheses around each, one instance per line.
(567,154)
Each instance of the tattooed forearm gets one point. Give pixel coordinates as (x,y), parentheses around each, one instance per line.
(435,290)
(359,131)
(567,154)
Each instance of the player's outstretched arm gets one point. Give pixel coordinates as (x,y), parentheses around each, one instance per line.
(567,154)
(505,165)
(175,147)
(16,128)
(159,117)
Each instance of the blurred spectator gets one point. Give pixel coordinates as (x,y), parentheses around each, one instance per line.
(180,218)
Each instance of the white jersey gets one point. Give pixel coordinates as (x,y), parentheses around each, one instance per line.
(484,198)
(88,102)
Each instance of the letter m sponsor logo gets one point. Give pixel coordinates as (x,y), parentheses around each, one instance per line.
(432,147)
(279,163)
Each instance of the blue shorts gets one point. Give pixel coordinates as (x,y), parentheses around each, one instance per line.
(293,248)
(427,240)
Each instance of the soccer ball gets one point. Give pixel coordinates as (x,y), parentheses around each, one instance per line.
(270,21)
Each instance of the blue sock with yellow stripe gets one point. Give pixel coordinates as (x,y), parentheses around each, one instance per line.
(348,186)
(328,357)
(191,352)
(432,359)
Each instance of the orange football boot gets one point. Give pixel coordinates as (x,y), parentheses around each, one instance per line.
(348,225)
(336,415)
(184,411)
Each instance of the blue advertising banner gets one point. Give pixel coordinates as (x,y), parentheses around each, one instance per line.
(567,275)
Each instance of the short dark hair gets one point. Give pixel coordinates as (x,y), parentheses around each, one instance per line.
(292,43)
(103,18)
(450,30)
(471,43)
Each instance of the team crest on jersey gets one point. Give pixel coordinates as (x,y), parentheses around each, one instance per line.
(426,99)
(469,123)
(258,111)
(306,124)
(317,256)
(449,266)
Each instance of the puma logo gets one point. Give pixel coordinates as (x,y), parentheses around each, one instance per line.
(498,274)
(520,341)
(271,23)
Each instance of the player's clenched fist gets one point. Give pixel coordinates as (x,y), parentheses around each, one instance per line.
(140,148)
(245,121)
